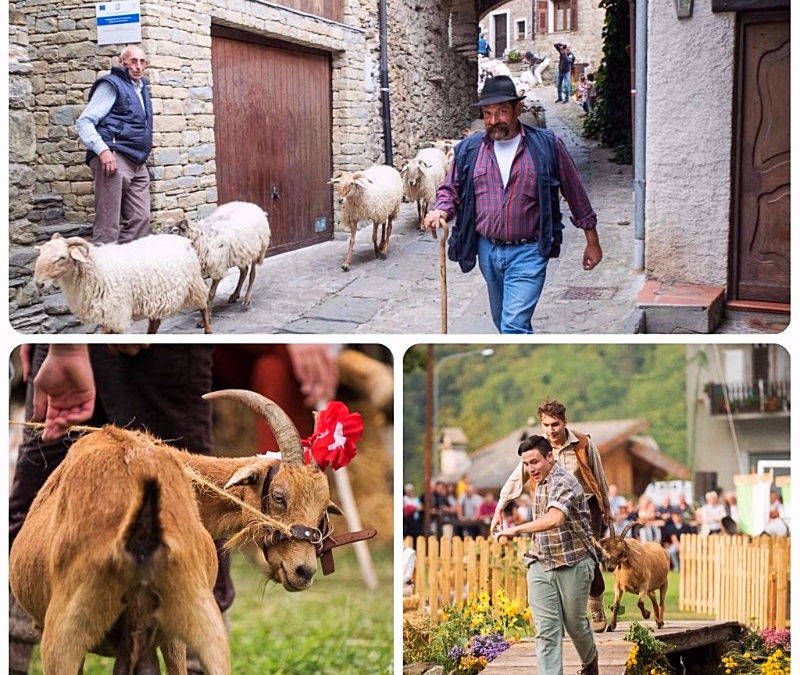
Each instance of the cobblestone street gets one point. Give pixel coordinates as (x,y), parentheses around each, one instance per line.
(305,291)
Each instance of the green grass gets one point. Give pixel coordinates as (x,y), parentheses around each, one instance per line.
(337,626)
(632,613)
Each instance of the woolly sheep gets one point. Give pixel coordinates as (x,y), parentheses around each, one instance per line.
(422,176)
(236,234)
(447,146)
(115,284)
(372,194)
(491,68)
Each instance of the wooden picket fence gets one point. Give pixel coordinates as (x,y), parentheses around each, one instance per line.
(736,578)
(450,569)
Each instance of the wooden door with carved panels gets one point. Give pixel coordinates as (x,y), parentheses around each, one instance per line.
(272,130)
(761,189)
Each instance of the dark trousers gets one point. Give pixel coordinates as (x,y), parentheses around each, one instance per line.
(597,526)
(159,389)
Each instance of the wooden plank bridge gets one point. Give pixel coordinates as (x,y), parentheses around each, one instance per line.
(690,638)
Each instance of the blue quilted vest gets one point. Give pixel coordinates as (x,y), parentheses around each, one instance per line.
(127,128)
(541,144)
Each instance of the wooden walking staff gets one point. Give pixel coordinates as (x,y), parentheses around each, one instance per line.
(443,271)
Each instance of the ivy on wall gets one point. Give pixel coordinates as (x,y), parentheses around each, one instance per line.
(610,119)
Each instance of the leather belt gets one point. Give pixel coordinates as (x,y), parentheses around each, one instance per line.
(517,242)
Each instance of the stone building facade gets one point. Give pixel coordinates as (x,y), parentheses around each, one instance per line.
(54,59)
(695,203)
(545,22)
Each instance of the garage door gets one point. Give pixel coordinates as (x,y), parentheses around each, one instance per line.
(272,128)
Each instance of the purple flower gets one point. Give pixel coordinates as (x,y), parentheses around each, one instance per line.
(456,653)
(776,638)
(490,645)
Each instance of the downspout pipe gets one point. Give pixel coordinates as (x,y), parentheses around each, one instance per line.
(386,112)
(640,129)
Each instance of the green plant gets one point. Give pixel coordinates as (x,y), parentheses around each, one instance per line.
(767,652)
(647,654)
(514,56)
(610,118)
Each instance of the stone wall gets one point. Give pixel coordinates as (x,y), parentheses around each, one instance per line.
(689,136)
(432,72)
(54,59)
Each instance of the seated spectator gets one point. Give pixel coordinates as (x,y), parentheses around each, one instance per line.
(731,506)
(412,512)
(671,535)
(468,505)
(621,518)
(686,510)
(486,509)
(615,499)
(649,524)
(665,509)
(524,510)
(711,514)
(777,524)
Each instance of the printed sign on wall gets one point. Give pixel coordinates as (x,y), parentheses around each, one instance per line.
(118,22)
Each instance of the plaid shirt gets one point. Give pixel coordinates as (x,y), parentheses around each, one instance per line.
(512,213)
(561,545)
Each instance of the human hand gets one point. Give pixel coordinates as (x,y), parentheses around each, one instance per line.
(432,219)
(63,390)
(510,531)
(495,523)
(108,161)
(592,255)
(317,370)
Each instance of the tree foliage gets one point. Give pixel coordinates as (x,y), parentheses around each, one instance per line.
(611,116)
(489,397)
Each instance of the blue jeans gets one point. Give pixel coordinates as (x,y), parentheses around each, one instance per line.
(558,602)
(514,278)
(564,82)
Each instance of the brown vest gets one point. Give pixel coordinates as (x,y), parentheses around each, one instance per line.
(581,452)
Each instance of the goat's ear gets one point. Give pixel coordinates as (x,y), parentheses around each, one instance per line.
(247,475)
(79,252)
(333,508)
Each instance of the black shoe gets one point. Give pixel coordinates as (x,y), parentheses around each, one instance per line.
(590,668)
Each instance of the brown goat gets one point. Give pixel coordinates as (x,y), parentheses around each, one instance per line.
(638,567)
(116,554)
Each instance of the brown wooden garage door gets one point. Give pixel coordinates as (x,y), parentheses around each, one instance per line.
(272,128)
(760,214)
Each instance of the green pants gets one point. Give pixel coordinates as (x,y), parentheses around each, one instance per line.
(558,601)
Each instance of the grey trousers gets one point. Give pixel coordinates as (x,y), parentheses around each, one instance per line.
(121,201)
(558,601)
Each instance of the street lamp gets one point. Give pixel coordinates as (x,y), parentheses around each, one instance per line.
(437,366)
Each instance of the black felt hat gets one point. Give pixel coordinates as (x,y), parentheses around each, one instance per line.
(498,89)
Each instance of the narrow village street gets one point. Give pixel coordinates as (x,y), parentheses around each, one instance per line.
(305,291)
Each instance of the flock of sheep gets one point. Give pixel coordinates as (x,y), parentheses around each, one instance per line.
(159,275)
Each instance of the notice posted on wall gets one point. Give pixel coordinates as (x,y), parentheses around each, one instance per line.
(118,22)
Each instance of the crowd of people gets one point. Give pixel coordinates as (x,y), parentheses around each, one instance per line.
(458,509)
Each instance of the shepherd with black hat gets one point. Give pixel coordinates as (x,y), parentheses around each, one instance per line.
(503,188)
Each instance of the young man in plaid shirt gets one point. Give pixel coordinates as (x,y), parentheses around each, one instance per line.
(504,189)
(561,559)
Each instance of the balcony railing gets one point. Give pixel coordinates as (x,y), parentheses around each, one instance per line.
(740,399)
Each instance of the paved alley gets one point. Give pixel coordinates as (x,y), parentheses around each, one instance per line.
(305,291)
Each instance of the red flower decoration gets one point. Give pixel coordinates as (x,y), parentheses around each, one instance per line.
(334,439)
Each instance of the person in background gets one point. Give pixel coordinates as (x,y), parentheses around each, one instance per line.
(671,535)
(483,47)
(711,514)
(731,506)
(412,512)
(649,524)
(582,91)
(591,97)
(117,129)
(566,61)
(686,510)
(615,499)
(621,518)
(666,508)
(777,525)
(468,505)
(487,508)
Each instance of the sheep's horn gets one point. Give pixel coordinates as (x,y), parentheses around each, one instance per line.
(282,427)
(71,241)
(625,529)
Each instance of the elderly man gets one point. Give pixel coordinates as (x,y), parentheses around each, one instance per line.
(503,188)
(579,456)
(117,129)
(566,61)
(561,559)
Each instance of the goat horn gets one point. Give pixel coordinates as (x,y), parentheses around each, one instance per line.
(282,427)
(626,528)
(71,241)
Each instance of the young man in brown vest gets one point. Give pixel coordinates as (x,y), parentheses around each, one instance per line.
(578,455)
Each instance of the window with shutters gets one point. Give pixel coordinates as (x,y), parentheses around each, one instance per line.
(564,15)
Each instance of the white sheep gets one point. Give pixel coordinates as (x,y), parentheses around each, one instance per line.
(447,146)
(372,194)
(422,176)
(491,68)
(236,234)
(115,284)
